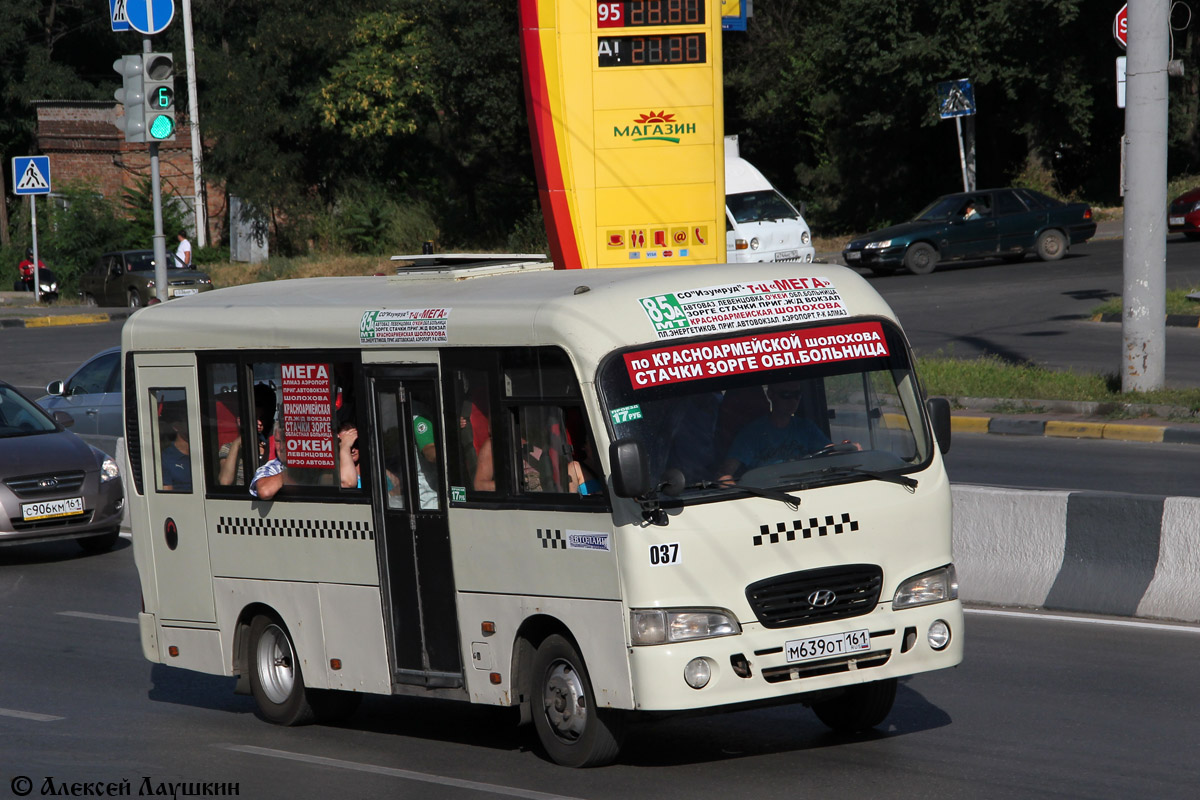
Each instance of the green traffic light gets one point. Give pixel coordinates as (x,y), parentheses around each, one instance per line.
(162,127)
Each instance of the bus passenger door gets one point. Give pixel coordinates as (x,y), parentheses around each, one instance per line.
(418,579)
(174,484)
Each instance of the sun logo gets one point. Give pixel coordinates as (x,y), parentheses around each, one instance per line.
(655,116)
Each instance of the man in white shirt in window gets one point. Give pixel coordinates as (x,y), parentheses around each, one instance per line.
(183,253)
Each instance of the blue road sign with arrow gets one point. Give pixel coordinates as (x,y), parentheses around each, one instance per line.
(149,16)
(31,175)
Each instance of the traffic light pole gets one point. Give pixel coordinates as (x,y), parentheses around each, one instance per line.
(160,241)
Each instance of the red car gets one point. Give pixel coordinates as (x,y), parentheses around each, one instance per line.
(1183,215)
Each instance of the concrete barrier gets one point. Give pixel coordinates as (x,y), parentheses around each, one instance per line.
(1092,552)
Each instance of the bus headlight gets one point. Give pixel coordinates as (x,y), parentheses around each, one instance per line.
(805,238)
(754,243)
(660,626)
(934,586)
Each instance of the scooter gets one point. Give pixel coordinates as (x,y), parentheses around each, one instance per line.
(48,281)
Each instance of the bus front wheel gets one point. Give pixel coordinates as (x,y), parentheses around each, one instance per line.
(859,708)
(275,678)
(573,731)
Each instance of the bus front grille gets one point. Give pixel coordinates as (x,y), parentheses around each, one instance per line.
(815,595)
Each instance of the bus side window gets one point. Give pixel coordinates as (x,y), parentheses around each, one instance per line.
(173,459)
(473,468)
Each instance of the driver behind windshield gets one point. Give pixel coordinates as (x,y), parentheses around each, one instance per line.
(775,437)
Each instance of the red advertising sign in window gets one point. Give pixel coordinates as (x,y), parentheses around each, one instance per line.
(689,362)
(307,415)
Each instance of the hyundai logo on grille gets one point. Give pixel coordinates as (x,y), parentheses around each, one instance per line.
(47,483)
(822,598)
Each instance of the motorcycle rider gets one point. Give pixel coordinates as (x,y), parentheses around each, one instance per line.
(26,270)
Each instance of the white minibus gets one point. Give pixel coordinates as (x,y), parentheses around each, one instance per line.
(596,495)
(760,223)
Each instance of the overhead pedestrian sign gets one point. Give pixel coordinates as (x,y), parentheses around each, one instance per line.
(31,175)
(149,16)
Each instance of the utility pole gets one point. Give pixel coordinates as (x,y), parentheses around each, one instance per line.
(1143,323)
(194,116)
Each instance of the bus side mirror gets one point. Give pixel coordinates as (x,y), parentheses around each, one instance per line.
(630,468)
(939,416)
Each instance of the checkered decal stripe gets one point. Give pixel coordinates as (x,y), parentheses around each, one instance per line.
(552,540)
(296,528)
(815,527)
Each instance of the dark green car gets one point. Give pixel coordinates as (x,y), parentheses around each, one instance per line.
(126,278)
(991,223)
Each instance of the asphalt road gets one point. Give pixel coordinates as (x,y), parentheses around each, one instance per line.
(1036,312)
(1041,707)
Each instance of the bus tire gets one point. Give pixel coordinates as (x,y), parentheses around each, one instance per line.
(859,708)
(572,730)
(275,677)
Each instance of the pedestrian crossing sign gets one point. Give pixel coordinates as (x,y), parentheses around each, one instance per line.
(31,175)
(956,98)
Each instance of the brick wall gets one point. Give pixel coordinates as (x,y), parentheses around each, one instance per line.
(83,142)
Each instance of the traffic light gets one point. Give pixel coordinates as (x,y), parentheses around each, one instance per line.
(159,77)
(132,95)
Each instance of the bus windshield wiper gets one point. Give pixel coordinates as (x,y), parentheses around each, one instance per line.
(792,501)
(853,469)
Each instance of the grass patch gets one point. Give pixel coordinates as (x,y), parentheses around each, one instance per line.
(1177,303)
(993,378)
(281,268)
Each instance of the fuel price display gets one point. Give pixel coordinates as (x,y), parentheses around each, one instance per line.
(648,13)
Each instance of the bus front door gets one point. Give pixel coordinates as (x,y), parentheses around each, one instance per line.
(417,575)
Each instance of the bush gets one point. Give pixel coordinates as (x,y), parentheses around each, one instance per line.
(366,219)
(210,254)
(529,234)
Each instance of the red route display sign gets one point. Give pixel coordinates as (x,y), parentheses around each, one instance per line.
(307,415)
(689,362)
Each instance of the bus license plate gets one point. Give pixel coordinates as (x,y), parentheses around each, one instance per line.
(787,255)
(48,509)
(833,644)
(1175,221)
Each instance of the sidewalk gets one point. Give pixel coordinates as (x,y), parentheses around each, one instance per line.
(19,310)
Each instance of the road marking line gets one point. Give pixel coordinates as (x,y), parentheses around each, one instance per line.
(9,712)
(1118,623)
(101,617)
(395,773)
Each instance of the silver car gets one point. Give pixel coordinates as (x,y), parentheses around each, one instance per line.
(92,396)
(53,485)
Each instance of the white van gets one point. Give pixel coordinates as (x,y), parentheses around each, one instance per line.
(760,224)
(597,496)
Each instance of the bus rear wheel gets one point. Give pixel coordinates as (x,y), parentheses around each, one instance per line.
(573,731)
(275,677)
(859,708)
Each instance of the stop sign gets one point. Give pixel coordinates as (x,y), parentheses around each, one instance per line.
(1121,25)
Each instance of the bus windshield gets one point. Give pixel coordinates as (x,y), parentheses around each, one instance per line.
(760,206)
(777,410)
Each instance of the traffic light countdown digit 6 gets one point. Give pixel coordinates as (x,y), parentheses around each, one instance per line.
(159,76)
(132,95)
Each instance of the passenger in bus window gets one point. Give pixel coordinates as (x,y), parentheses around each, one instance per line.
(349,469)
(176,457)
(776,437)
(425,442)
(485,469)
(583,480)
(269,478)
